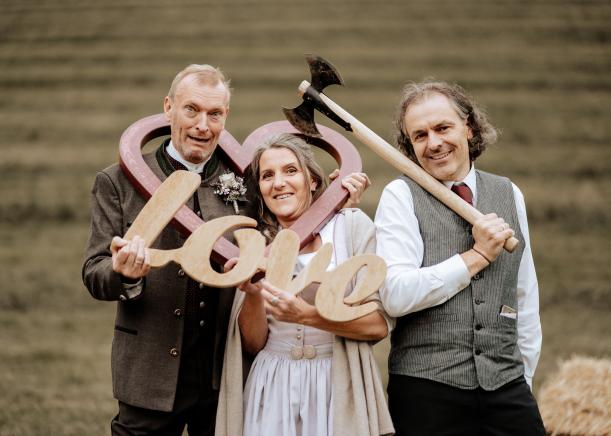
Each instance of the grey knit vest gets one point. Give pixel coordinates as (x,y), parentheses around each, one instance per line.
(463,342)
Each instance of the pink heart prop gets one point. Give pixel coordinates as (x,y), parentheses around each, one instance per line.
(239,157)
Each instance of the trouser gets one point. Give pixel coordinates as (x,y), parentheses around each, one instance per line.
(194,405)
(199,418)
(424,407)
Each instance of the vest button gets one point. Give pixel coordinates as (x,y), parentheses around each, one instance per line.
(478,301)
(478,327)
(477,276)
(178,312)
(478,352)
(174,352)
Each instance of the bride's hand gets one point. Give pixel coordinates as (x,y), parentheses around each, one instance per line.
(355,184)
(284,306)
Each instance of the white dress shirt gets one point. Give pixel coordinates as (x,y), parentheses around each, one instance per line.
(410,287)
(194,168)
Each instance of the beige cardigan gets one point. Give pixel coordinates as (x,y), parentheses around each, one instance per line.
(359,404)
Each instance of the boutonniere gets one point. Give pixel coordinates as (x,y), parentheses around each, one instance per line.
(231,188)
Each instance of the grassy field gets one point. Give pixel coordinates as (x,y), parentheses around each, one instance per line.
(75,74)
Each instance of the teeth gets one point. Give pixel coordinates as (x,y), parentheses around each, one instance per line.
(283,196)
(440,156)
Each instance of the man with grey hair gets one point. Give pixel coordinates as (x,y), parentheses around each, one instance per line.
(468,334)
(169,336)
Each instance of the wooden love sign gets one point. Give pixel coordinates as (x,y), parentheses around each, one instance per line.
(194,255)
(179,187)
(239,157)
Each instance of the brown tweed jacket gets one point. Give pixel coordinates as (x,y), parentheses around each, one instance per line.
(146,348)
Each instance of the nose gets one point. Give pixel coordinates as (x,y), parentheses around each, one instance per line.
(434,140)
(202,123)
(279,181)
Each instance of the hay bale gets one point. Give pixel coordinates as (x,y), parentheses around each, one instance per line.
(577,399)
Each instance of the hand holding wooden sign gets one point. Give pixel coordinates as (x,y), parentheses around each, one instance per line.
(194,255)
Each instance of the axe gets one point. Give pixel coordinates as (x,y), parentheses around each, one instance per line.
(302,118)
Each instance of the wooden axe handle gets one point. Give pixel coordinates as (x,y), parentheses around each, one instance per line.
(401,162)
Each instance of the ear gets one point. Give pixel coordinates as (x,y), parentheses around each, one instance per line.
(469,133)
(167,107)
(313,184)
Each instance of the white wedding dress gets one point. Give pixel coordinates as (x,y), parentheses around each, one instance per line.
(288,391)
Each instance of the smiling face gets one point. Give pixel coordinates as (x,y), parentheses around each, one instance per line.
(197,115)
(284,185)
(440,137)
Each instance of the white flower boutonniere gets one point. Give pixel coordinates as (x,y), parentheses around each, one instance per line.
(231,188)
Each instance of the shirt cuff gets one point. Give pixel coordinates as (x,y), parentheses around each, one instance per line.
(132,291)
(529,381)
(455,275)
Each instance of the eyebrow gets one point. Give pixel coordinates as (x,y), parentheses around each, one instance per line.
(440,123)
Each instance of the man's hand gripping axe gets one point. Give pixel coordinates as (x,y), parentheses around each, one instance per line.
(302,118)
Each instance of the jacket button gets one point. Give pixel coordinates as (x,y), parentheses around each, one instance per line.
(201,323)
(122,297)
(201,304)
(181,273)
(174,352)
(201,286)
(178,312)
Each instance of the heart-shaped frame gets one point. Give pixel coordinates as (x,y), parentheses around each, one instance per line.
(239,157)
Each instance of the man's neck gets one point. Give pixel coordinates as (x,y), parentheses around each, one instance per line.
(196,168)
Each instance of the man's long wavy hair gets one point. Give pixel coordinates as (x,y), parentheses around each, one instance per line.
(268,223)
(484,133)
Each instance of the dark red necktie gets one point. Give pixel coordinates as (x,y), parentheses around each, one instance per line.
(463,192)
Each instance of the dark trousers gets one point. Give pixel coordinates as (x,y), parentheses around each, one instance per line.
(195,403)
(421,407)
(199,418)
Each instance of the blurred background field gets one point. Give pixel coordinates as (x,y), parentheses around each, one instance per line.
(75,74)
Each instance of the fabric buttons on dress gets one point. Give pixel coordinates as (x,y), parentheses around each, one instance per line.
(296,353)
(309,352)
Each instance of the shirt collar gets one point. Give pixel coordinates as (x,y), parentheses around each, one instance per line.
(196,168)
(469,180)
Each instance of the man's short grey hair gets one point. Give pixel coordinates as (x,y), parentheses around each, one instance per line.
(205,75)
(484,133)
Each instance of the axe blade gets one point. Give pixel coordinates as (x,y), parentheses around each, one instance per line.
(323,73)
(302,118)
